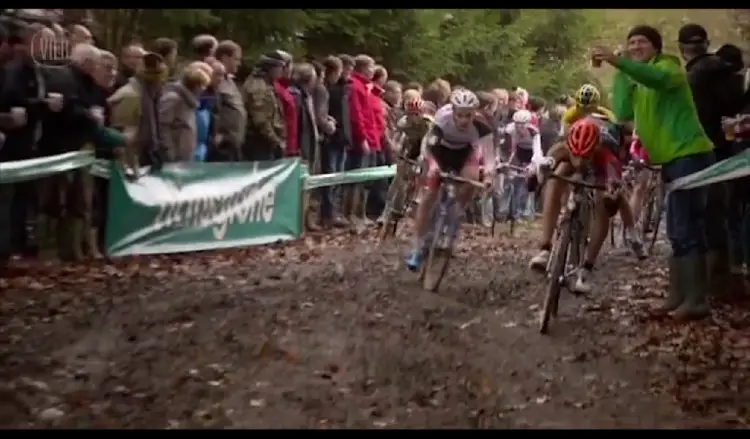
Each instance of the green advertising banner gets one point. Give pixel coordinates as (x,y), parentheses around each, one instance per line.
(737,166)
(201,206)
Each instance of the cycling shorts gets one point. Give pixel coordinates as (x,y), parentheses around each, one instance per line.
(445,159)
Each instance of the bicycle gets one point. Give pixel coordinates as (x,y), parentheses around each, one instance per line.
(570,245)
(653,202)
(400,196)
(445,218)
(505,170)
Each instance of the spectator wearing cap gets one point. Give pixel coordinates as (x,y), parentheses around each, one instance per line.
(652,88)
(134,112)
(167,49)
(288,106)
(266,133)
(716,96)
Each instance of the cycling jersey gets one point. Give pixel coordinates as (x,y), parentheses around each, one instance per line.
(637,151)
(414,129)
(609,133)
(525,142)
(576,113)
(449,136)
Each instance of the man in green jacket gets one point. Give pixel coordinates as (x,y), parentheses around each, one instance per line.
(652,90)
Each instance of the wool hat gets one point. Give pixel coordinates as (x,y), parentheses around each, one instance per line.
(650,33)
(692,33)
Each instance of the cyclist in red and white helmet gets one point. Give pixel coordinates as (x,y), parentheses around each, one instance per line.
(452,144)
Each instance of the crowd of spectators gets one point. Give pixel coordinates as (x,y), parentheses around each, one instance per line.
(152,105)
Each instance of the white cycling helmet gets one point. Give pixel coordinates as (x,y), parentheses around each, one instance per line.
(464,99)
(522,116)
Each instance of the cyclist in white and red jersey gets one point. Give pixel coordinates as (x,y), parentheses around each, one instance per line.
(452,144)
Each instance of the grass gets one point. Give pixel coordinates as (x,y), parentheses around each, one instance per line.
(617,22)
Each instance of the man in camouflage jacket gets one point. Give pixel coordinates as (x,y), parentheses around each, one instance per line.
(266,133)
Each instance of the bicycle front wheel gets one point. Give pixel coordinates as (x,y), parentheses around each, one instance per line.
(438,258)
(554,282)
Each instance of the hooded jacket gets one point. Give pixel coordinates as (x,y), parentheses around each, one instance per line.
(710,80)
(289,110)
(657,96)
(361,112)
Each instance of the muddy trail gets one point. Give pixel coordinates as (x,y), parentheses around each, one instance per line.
(331,332)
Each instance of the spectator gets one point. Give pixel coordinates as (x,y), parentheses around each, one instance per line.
(377,189)
(380,77)
(135,114)
(302,86)
(364,132)
(177,113)
(326,124)
(266,133)
(710,80)
(80,34)
(652,89)
(204,47)
(414,86)
(288,109)
(347,64)
(71,129)
(6,190)
(166,48)
(231,115)
(130,62)
(438,92)
(23,81)
(206,111)
(392,97)
(336,144)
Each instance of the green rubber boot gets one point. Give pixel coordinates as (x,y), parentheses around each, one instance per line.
(694,281)
(676,289)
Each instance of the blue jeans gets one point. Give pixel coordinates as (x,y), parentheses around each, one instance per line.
(515,196)
(334,160)
(687,209)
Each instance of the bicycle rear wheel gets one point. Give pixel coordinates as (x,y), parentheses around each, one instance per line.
(554,282)
(657,212)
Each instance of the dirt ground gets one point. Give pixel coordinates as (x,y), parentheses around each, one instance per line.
(333,333)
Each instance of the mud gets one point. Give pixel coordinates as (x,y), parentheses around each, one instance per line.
(325,333)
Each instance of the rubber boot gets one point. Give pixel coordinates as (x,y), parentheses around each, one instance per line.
(71,239)
(91,242)
(354,207)
(362,212)
(694,282)
(717,267)
(307,213)
(676,289)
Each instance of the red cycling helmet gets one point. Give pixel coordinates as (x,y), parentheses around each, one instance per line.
(583,137)
(414,106)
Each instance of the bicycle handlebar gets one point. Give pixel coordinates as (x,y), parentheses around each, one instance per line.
(579,182)
(461,180)
(640,164)
(507,166)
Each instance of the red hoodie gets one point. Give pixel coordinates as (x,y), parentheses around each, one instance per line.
(289,109)
(361,112)
(379,124)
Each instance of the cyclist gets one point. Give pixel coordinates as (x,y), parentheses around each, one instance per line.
(415,124)
(582,151)
(587,100)
(450,145)
(638,195)
(525,149)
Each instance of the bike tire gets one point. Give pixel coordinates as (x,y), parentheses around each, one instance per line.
(438,259)
(659,206)
(390,220)
(552,294)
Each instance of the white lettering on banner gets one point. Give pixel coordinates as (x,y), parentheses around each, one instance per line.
(253,204)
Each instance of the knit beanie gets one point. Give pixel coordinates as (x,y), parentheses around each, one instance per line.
(650,33)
